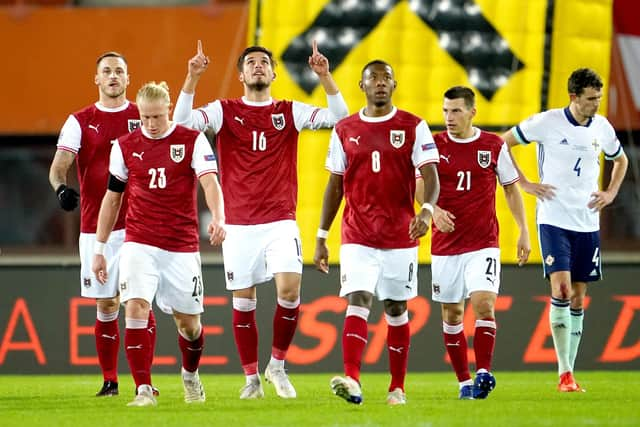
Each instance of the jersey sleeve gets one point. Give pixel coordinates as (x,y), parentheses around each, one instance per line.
(70,136)
(505,169)
(530,129)
(336,158)
(203,161)
(307,116)
(424,147)
(611,146)
(209,116)
(117,166)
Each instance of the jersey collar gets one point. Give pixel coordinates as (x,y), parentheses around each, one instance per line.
(257,103)
(167,133)
(377,119)
(569,116)
(112,110)
(476,135)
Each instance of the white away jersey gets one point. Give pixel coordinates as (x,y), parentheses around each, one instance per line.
(569,159)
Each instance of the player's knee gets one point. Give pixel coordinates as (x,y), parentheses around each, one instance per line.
(108,305)
(484,309)
(290,294)
(577,301)
(395,308)
(564,289)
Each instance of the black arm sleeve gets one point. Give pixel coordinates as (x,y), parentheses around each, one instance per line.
(115,184)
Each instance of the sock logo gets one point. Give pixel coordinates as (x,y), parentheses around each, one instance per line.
(111,337)
(356,336)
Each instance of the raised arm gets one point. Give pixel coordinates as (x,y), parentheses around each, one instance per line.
(335,101)
(183,112)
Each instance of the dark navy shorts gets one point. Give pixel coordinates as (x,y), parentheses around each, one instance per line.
(574,251)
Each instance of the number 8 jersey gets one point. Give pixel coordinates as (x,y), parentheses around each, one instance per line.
(569,159)
(377,157)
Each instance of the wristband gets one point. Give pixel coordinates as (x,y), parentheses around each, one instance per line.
(98,248)
(322,234)
(429,207)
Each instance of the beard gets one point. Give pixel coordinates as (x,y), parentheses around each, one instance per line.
(115,92)
(380,102)
(258,86)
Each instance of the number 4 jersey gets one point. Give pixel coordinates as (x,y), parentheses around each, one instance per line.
(569,159)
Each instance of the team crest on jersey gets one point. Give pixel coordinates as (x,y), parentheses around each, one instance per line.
(278,121)
(484,158)
(134,124)
(396,138)
(177,152)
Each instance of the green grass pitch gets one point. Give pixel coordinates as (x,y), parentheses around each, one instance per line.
(520,399)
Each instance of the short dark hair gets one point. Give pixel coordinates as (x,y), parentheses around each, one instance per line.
(111,54)
(463,92)
(375,62)
(583,78)
(252,49)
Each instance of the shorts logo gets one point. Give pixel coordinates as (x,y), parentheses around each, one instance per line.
(549,260)
(436,289)
(343,278)
(86,282)
(278,121)
(134,124)
(484,158)
(177,152)
(123,286)
(396,138)
(230,276)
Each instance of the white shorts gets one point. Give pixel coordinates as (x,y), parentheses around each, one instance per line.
(455,277)
(254,253)
(89,286)
(174,278)
(385,273)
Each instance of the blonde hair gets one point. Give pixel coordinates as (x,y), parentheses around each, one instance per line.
(152,91)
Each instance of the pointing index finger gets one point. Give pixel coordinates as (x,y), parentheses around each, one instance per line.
(200,47)
(314,46)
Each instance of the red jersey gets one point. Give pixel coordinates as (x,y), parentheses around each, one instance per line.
(88,133)
(467,171)
(161,176)
(257,149)
(377,157)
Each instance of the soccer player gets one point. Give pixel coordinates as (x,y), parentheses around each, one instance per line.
(257,139)
(159,164)
(465,261)
(570,141)
(373,156)
(86,138)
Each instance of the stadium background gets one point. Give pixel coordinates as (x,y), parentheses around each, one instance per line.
(516,54)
